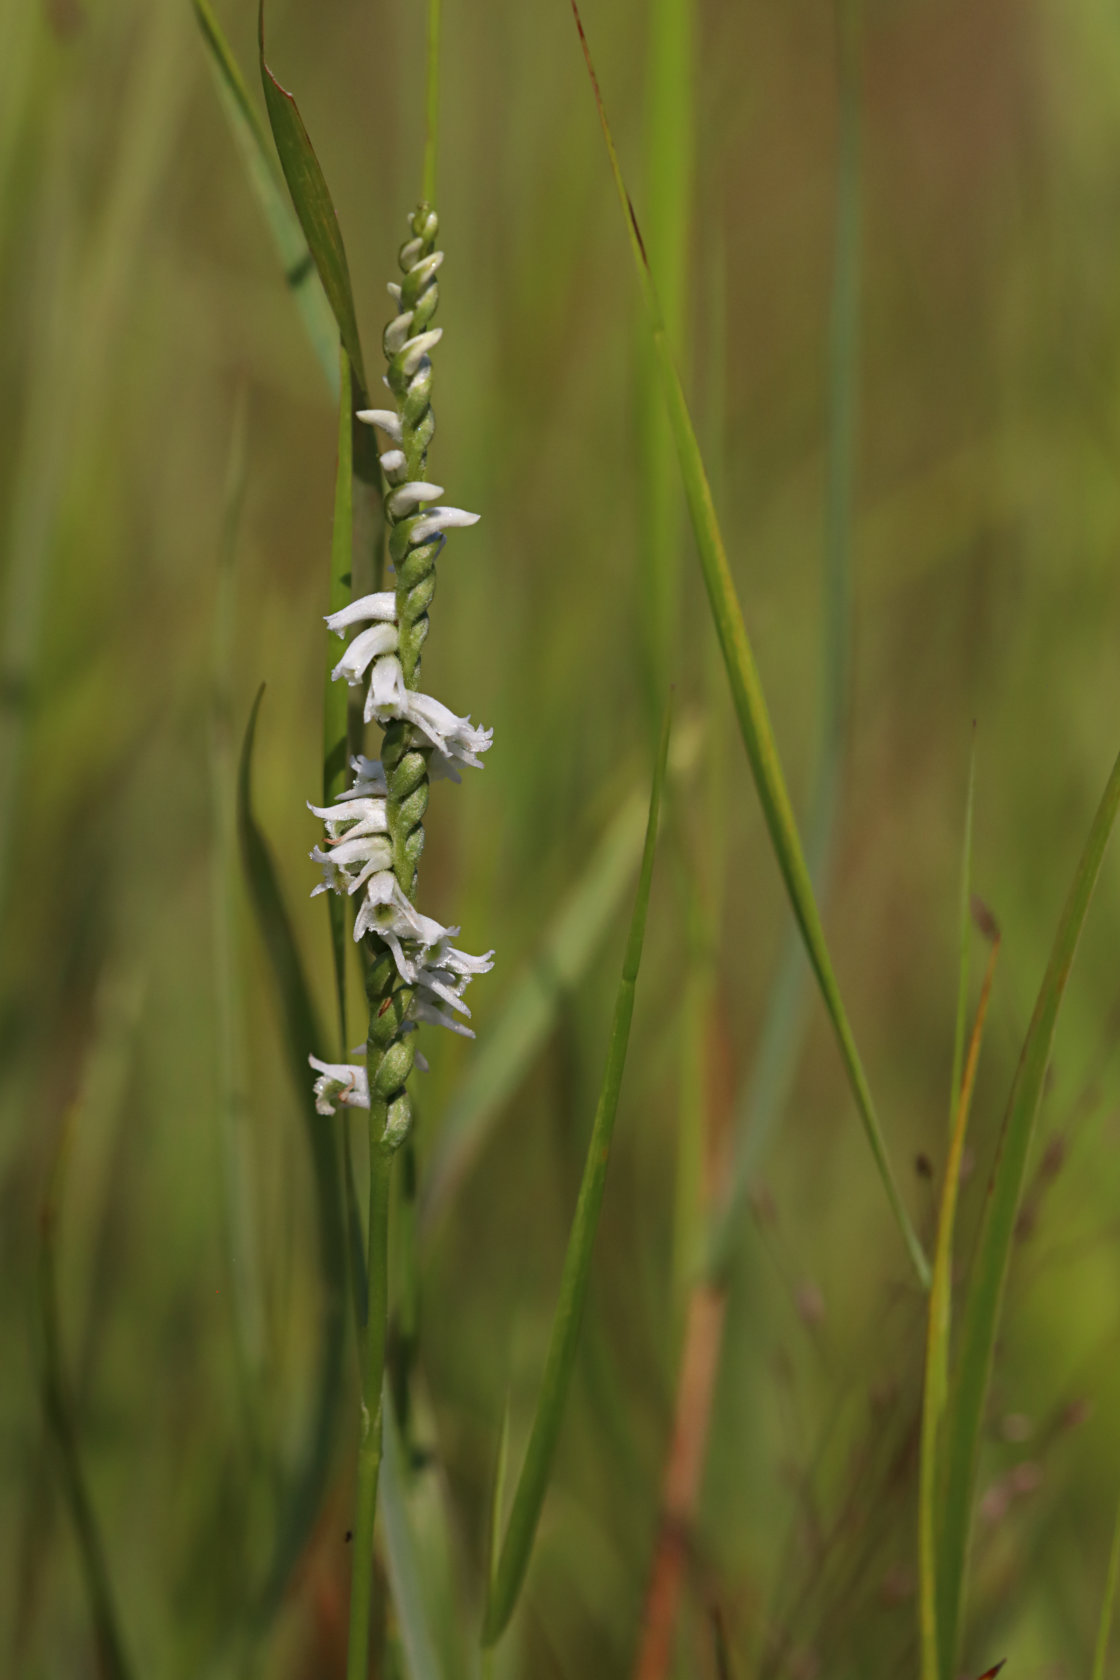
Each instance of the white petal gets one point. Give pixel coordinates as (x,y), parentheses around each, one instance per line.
(422,1011)
(393,465)
(408,496)
(387,692)
(417,348)
(382,606)
(378,639)
(395,336)
(386,420)
(440,519)
(393,290)
(363,810)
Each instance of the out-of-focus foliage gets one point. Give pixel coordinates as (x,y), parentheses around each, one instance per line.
(140,296)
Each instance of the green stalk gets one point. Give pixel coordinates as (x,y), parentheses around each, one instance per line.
(507,1578)
(750,703)
(373,1370)
(431,139)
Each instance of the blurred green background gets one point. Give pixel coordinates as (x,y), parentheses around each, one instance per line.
(143,309)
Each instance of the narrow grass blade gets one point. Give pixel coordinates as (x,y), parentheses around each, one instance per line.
(771,1078)
(938,1330)
(964,945)
(1108,1605)
(302,1037)
(406,1576)
(535,1471)
(248,133)
(313,206)
(749,701)
(336,722)
(112,1661)
(233,1106)
(669,158)
(572,938)
(989,1270)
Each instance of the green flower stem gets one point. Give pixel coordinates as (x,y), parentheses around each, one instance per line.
(373,1366)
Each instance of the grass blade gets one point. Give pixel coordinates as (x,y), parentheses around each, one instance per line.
(989,1271)
(533,1481)
(1108,1604)
(669,154)
(302,1037)
(939,1325)
(300,273)
(336,720)
(749,701)
(771,1078)
(313,206)
(571,940)
(406,1578)
(965,944)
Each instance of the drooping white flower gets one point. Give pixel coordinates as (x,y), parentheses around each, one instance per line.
(455,738)
(382,606)
(369,645)
(339,1082)
(386,420)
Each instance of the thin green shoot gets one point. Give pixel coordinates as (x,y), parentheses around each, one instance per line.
(431,102)
(989,1269)
(939,1326)
(750,703)
(402,1556)
(964,943)
(372,1378)
(528,1499)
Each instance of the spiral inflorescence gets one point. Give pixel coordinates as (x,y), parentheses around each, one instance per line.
(375,834)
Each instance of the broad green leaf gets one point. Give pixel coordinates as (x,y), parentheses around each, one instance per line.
(313,206)
(506,1580)
(989,1269)
(302,1036)
(748,698)
(249,136)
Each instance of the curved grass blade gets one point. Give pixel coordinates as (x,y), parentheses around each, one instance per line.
(770,1082)
(989,1270)
(336,752)
(1108,1604)
(248,133)
(749,701)
(506,1580)
(313,206)
(938,1328)
(570,941)
(302,1037)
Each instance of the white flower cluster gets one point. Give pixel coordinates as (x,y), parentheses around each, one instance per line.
(357,856)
